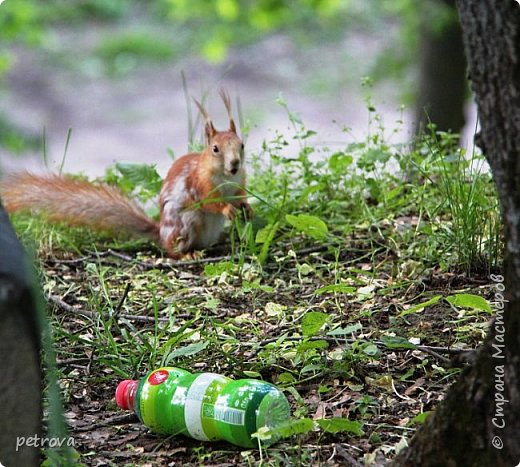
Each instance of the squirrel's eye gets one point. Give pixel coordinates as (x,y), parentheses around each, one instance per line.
(215,149)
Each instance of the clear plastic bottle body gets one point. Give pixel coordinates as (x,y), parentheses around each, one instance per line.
(204,406)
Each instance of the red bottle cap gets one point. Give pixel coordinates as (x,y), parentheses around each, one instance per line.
(125,393)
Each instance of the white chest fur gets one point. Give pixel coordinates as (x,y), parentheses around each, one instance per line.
(228,185)
(212,228)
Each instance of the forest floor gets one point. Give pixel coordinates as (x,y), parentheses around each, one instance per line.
(378,359)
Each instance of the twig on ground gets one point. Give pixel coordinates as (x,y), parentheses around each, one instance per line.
(114,420)
(92,314)
(342,452)
(433,353)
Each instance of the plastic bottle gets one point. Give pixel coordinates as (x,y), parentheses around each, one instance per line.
(204,406)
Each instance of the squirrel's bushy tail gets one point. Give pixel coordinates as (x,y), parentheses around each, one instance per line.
(76,202)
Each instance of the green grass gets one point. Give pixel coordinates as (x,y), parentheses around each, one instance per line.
(354,258)
(470,232)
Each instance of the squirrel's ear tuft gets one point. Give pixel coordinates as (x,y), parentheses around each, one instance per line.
(232,126)
(209,129)
(227,102)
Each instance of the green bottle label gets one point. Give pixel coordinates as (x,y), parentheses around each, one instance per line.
(199,407)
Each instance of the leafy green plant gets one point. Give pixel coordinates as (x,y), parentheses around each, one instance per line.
(19,22)
(234,22)
(303,426)
(121,54)
(57,11)
(139,180)
(310,225)
(367,406)
(461,300)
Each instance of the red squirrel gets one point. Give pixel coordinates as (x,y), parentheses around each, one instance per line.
(200,191)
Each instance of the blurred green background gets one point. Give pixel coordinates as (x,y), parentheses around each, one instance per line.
(111,71)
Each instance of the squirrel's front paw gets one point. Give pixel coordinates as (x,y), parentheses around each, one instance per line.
(230,211)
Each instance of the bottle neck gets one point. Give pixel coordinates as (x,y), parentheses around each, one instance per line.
(125,394)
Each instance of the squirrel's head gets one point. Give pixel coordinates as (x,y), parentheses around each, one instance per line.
(224,149)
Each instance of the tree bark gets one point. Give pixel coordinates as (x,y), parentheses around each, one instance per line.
(442,85)
(478,423)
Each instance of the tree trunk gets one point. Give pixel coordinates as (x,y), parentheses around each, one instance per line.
(20,378)
(442,84)
(478,423)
